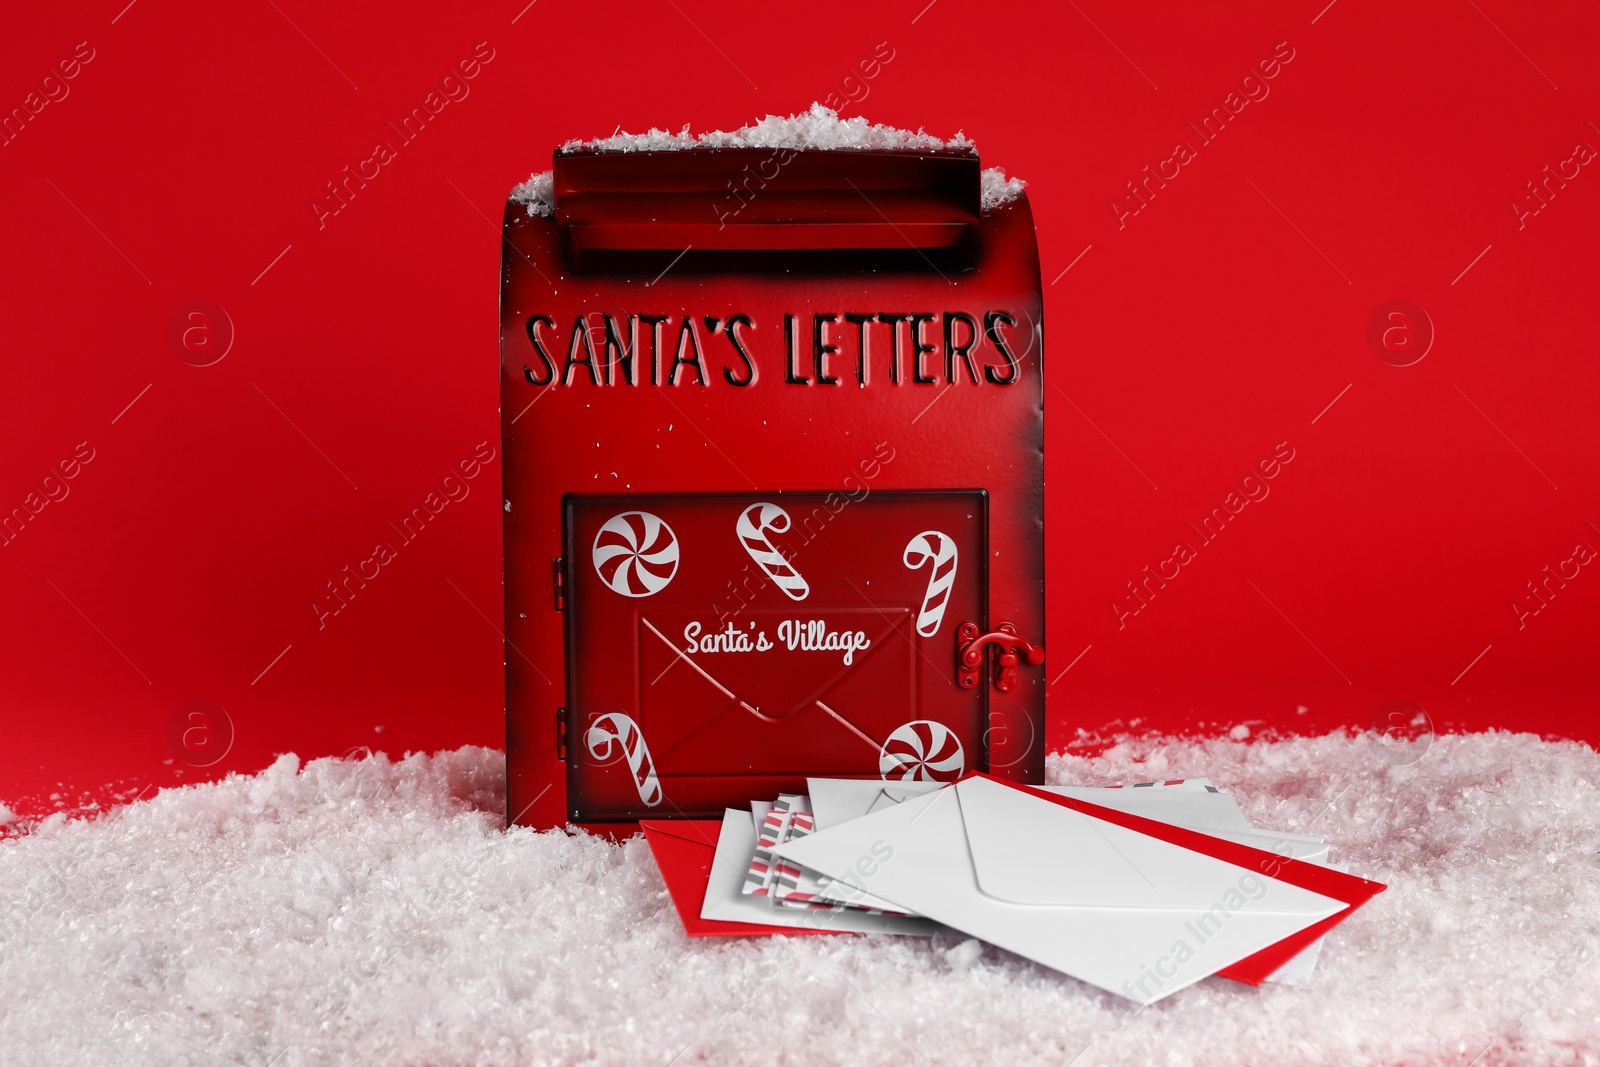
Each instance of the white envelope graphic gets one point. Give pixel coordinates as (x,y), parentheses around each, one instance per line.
(1117,908)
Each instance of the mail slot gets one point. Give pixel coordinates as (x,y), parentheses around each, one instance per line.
(773,479)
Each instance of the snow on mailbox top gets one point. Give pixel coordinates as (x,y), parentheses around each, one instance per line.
(819,129)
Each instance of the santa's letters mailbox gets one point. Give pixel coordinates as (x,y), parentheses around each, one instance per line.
(773,480)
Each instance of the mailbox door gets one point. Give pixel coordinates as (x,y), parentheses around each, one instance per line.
(721,647)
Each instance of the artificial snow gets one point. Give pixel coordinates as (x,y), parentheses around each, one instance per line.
(537,194)
(996,189)
(374,912)
(820,129)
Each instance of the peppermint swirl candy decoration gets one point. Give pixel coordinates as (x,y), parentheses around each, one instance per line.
(635,553)
(922,751)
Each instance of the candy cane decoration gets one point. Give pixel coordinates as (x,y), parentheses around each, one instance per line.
(622,731)
(939,549)
(755,523)
(922,751)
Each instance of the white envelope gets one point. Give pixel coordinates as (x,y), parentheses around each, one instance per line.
(1290,846)
(1122,910)
(838,800)
(1192,803)
(726,901)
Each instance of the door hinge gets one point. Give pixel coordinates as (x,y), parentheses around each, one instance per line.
(1009,650)
(559,571)
(561,733)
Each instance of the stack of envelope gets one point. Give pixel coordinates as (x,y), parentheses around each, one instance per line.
(1140,890)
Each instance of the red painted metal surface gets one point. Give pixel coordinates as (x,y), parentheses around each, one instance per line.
(742,682)
(714,446)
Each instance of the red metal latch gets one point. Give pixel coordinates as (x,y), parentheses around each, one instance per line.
(561,733)
(559,572)
(1008,647)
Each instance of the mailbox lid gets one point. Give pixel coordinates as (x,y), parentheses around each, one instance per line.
(853,210)
(721,647)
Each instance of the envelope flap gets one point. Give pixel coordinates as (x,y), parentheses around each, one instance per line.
(838,800)
(1027,849)
(702,832)
(747,681)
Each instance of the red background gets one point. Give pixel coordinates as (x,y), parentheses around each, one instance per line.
(1220,320)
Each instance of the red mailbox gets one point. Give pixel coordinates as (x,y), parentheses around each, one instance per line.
(773,479)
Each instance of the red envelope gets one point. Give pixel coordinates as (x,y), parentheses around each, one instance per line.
(683,850)
(1252,970)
